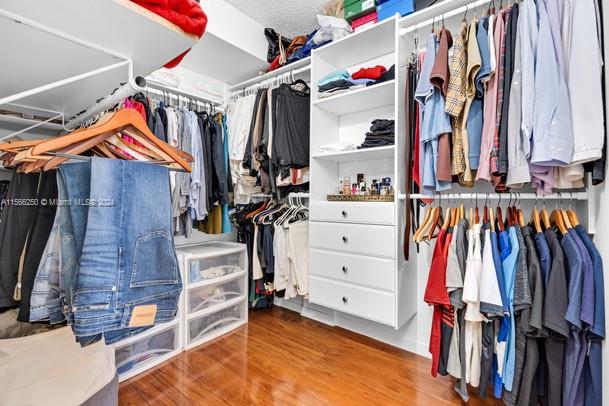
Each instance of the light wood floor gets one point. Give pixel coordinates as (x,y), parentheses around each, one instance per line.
(280,358)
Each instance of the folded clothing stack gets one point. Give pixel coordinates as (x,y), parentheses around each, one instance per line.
(338,82)
(382,133)
(341,81)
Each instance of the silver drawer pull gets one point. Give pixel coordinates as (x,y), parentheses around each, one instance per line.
(345,269)
(345,239)
(345,299)
(344,213)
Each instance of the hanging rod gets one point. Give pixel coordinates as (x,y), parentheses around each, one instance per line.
(441,15)
(295,68)
(160,87)
(497,196)
(127,89)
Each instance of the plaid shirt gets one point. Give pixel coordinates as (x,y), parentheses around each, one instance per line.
(455,99)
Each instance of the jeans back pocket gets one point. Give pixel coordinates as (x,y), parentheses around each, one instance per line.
(154,260)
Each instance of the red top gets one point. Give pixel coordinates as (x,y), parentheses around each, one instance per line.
(369,73)
(186,14)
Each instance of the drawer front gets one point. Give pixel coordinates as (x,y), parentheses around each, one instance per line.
(364,302)
(373,272)
(147,350)
(354,212)
(203,328)
(208,296)
(203,269)
(359,239)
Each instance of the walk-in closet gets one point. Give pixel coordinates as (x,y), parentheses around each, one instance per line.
(324,202)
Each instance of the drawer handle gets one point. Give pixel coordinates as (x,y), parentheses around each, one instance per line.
(345,239)
(345,299)
(345,269)
(344,213)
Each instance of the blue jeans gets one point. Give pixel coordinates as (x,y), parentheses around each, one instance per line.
(126,256)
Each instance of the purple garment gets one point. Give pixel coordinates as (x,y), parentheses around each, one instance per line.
(542,178)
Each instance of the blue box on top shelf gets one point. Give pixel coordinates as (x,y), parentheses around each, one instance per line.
(388,8)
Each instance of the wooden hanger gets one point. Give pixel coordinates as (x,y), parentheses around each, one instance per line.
(122,119)
(485,217)
(536,220)
(521,221)
(492,219)
(417,234)
(571,214)
(500,223)
(557,219)
(447,220)
(435,220)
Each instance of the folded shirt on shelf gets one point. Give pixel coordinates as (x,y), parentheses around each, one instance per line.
(373,73)
(337,146)
(385,77)
(381,134)
(334,76)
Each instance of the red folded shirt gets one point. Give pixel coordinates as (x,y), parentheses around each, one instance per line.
(186,14)
(369,73)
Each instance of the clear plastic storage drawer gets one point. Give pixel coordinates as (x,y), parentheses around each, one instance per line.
(208,296)
(146,350)
(203,327)
(202,269)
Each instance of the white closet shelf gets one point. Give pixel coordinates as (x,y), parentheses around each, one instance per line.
(53,41)
(364,154)
(373,42)
(359,100)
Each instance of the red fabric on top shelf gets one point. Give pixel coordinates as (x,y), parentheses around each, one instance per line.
(186,14)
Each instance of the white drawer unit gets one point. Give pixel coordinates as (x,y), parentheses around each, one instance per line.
(146,350)
(211,267)
(378,273)
(371,304)
(219,320)
(355,238)
(353,212)
(213,294)
(216,290)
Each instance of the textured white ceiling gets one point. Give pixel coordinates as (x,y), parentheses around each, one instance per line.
(288,17)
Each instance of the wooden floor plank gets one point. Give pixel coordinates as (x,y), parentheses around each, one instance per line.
(282,358)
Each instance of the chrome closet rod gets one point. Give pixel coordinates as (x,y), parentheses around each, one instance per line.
(498,196)
(438,17)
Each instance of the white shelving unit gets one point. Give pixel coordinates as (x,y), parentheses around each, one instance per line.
(356,263)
